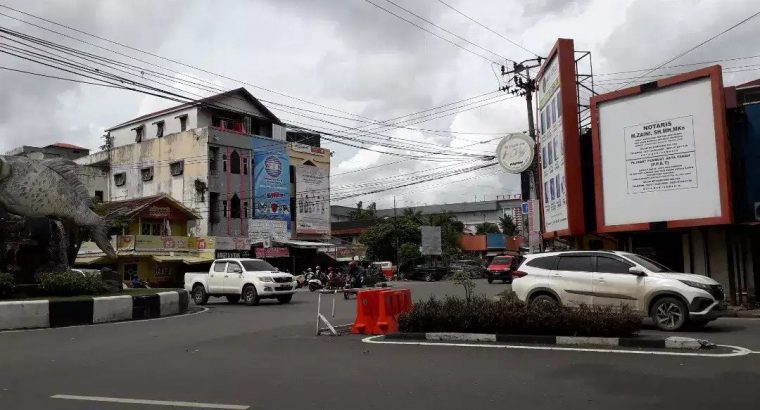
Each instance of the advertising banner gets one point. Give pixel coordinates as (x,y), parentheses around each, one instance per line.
(661,154)
(559,145)
(260,230)
(271,180)
(232,243)
(276,252)
(312,201)
(431,240)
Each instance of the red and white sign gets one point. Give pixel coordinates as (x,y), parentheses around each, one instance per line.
(277,252)
(560,182)
(661,154)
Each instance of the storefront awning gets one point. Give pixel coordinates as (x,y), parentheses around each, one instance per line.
(187,260)
(309,244)
(90,260)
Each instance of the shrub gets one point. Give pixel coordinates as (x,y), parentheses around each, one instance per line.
(7,285)
(71,284)
(483,315)
(463,279)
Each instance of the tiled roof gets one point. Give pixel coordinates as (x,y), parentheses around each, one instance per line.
(131,207)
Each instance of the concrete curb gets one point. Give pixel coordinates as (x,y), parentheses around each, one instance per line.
(33,314)
(673,342)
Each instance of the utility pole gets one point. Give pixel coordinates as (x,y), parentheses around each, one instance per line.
(395,231)
(525,86)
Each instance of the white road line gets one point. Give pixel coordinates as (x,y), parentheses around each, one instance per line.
(152,402)
(123,322)
(738,351)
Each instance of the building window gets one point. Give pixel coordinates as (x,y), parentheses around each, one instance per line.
(99,196)
(177,168)
(224,208)
(234,163)
(120,179)
(245,166)
(213,207)
(213,154)
(139,131)
(235,207)
(228,124)
(159,129)
(245,209)
(153,227)
(182,123)
(147,174)
(224,162)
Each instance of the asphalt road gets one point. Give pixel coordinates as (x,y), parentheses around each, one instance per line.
(267,357)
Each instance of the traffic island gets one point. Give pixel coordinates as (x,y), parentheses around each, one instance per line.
(673,342)
(87,310)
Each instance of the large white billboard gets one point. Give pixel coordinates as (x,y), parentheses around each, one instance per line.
(551,137)
(312,201)
(659,155)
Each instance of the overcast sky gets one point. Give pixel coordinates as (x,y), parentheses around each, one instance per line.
(352,56)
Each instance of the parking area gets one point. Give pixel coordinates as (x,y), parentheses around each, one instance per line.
(267,357)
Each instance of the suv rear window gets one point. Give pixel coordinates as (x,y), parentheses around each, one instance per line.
(576,263)
(503,260)
(544,262)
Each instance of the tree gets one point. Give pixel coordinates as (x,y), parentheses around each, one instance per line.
(361,214)
(487,227)
(507,225)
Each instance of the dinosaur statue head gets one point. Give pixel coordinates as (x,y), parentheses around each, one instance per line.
(5,168)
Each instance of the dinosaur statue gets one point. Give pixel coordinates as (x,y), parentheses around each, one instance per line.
(50,188)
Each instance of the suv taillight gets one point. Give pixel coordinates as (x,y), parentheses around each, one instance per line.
(518,274)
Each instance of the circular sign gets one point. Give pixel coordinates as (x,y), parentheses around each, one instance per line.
(273,166)
(515,153)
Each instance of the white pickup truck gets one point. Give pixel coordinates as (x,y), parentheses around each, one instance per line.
(253,279)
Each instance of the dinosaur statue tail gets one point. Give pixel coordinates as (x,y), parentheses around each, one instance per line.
(99,235)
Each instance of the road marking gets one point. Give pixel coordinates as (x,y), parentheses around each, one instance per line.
(152,402)
(123,322)
(738,351)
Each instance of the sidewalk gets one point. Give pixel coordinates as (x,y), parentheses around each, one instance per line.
(745,313)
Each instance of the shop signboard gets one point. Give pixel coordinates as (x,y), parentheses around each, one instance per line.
(431,240)
(559,145)
(271,180)
(661,154)
(261,230)
(312,201)
(274,252)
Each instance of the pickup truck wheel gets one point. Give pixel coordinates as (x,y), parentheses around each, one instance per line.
(200,297)
(284,298)
(250,297)
(233,299)
(428,277)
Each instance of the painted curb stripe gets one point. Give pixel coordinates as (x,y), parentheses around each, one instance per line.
(70,312)
(644,342)
(737,350)
(146,307)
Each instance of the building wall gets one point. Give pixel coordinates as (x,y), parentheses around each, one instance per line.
(190,147)
(227,184)
(126,134)
(95,179)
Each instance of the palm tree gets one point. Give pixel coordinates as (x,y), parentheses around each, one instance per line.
(507,225)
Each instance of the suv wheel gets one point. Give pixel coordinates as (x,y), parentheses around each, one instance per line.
(541,299)
(669,314)
(200,297)
(429,277)
(490,280)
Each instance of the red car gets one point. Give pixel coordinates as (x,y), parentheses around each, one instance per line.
(501,269)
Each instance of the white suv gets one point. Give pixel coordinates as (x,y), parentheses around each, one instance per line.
(575,278)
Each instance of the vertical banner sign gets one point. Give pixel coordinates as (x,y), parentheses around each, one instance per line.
(312,201)
(561,199)
(534,226)
(271,181)
(431,240)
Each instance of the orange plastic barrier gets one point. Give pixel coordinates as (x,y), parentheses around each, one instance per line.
(377,310)
(366,311)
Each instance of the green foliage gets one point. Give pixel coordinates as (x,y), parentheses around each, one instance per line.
(71,284)
(507,225)
(484,315)
(487,227)
(380,239)
(7,285)
(361,214)
(463,279)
